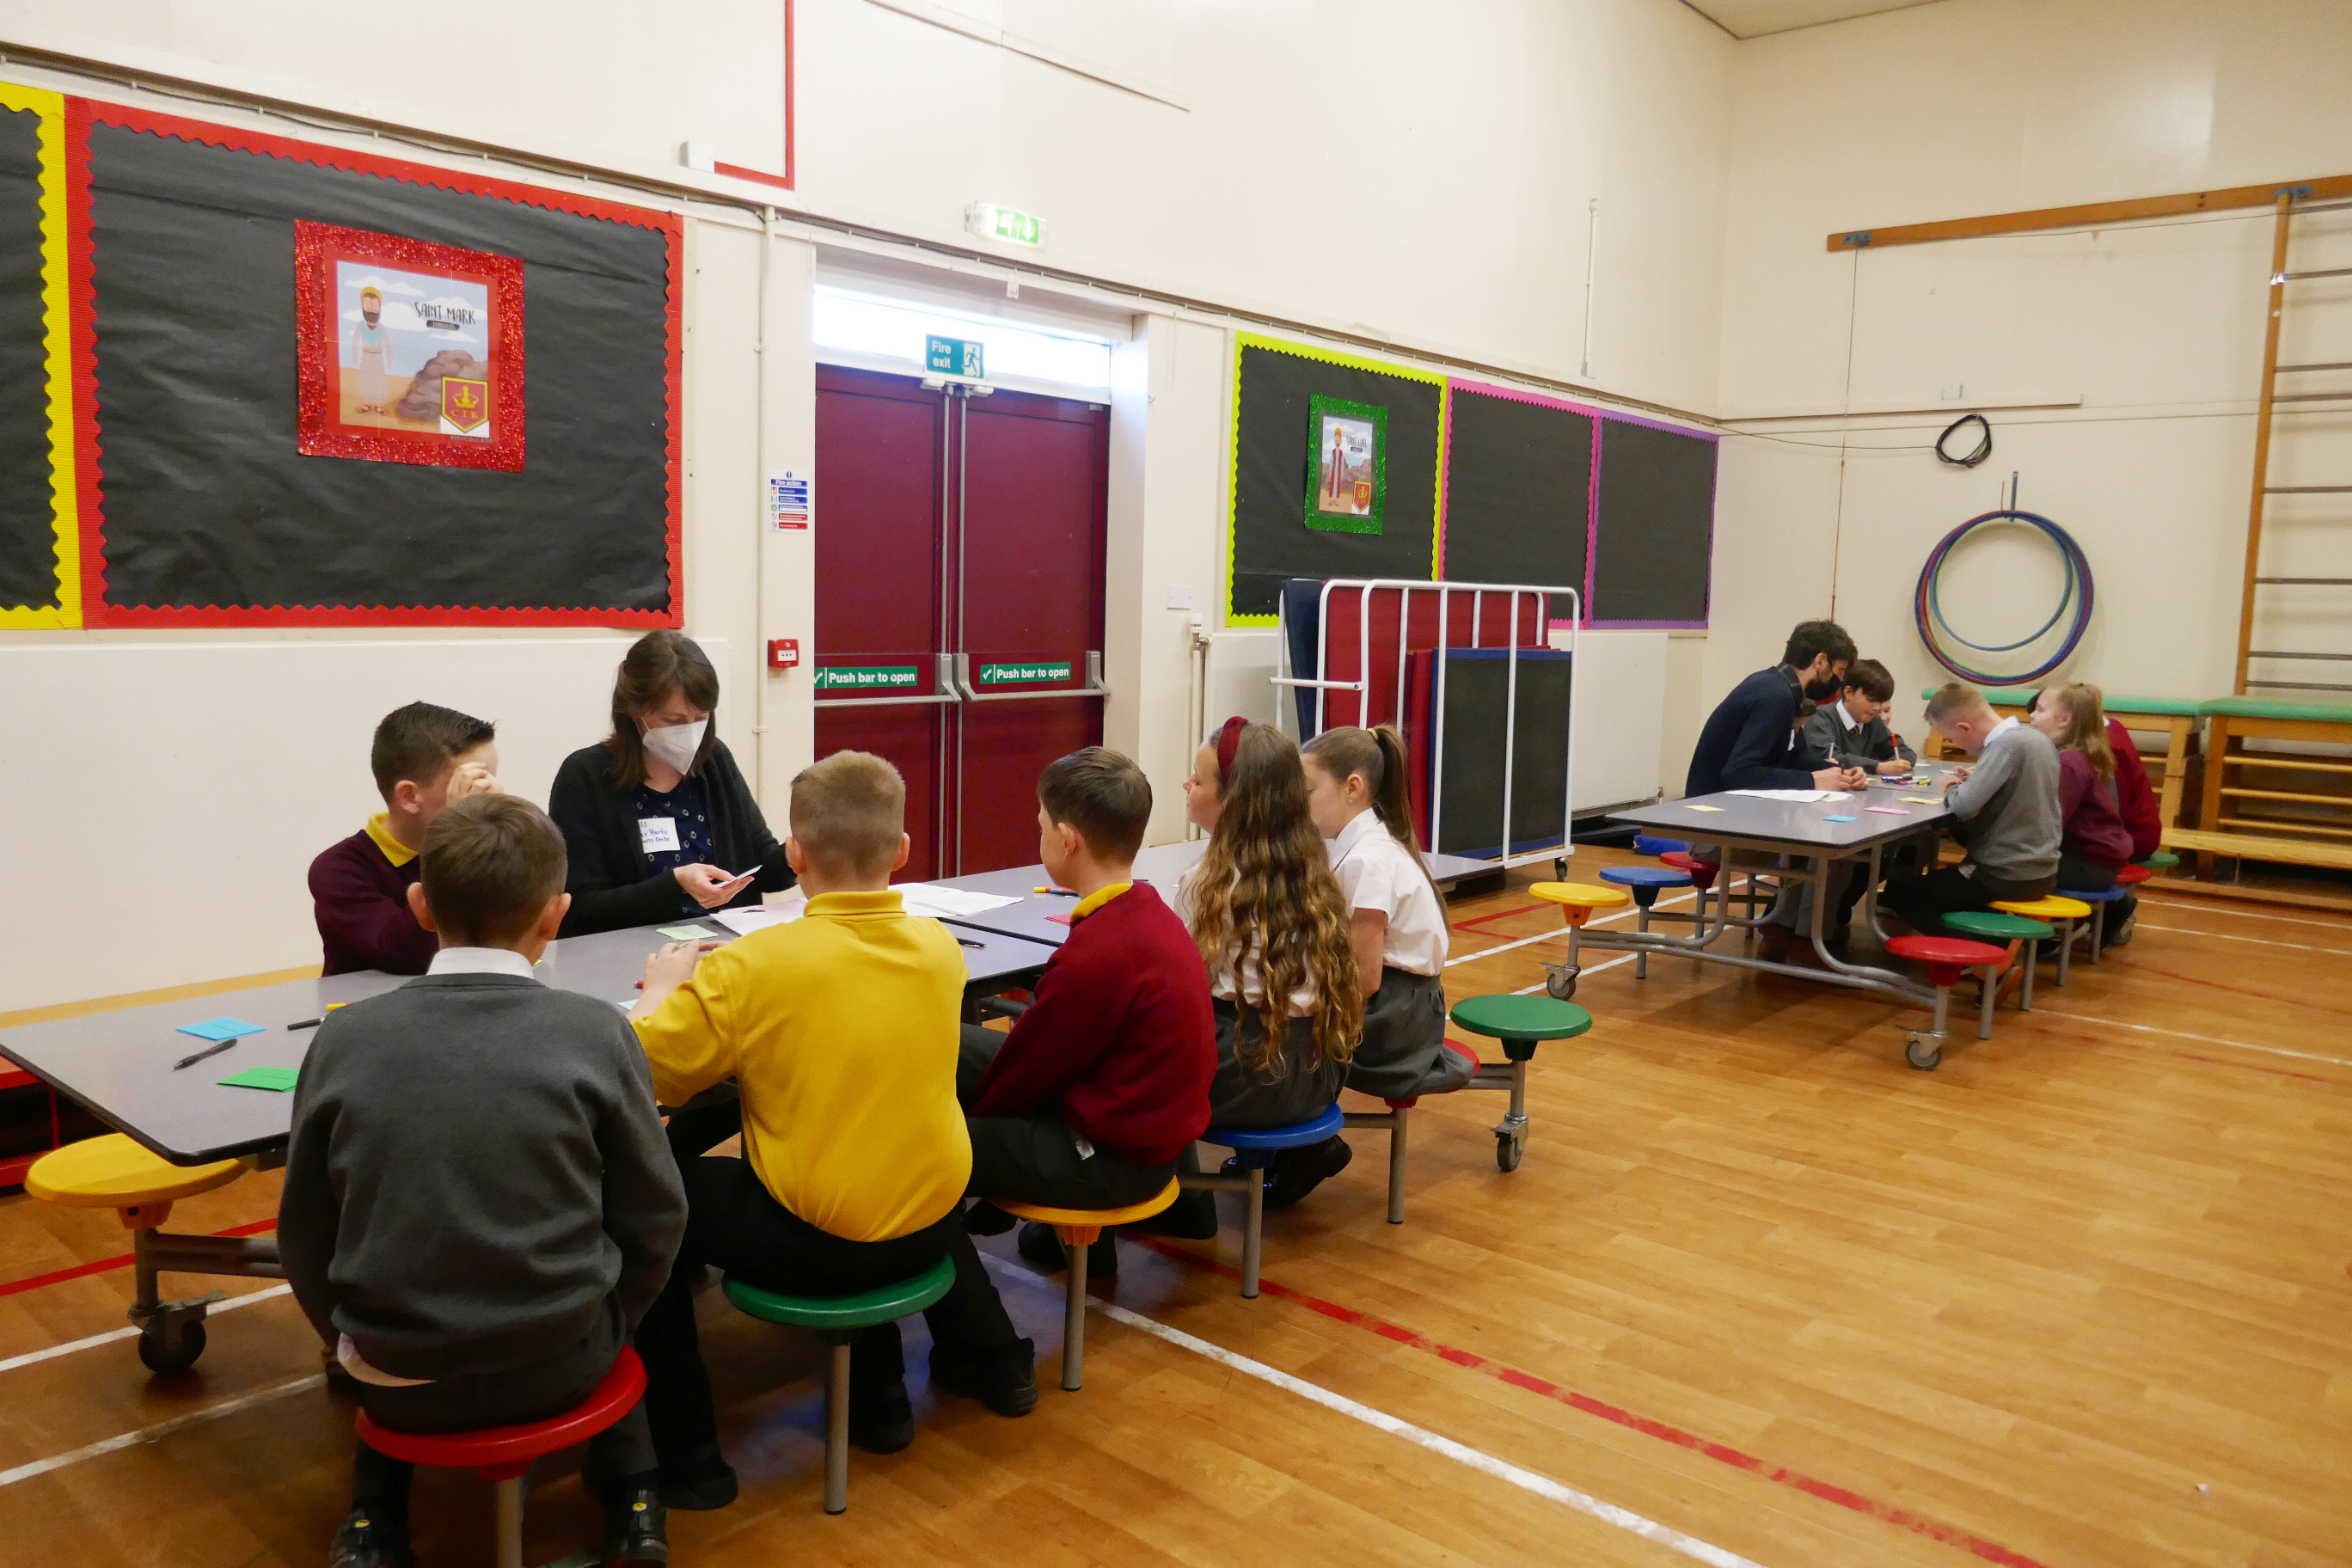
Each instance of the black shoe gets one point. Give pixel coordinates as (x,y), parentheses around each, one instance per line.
(1042,1250)
(1192,1217)
(361,1542)
(636,1526)
(984,1218)
(1006,1381)
(881,1422)
(1298,1172)
(698,1481)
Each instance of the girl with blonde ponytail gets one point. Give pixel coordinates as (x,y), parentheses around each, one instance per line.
(1272,926)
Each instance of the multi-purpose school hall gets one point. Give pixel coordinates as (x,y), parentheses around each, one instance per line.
(970,379)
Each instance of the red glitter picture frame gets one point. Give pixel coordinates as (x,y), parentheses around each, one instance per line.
(449,297)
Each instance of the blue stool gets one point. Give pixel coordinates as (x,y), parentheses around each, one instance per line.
(1645,882)
(2098,903)
(1253,1150)
(1645,845)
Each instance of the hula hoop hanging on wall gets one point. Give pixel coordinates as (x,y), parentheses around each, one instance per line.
(2077,595)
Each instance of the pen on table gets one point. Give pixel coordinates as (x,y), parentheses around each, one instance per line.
(305,1024)
(190,1061)
(969,942)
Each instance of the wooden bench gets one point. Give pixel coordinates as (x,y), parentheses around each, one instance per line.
(2267,805)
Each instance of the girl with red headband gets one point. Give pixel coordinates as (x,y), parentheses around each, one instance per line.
(1272,926)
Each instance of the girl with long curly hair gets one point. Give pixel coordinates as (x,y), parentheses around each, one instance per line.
(1273,927)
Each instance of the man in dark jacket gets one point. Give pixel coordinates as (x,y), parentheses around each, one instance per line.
(1752,741)
(479,1204)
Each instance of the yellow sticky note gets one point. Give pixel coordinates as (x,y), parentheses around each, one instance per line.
(1920,799)
(1706,808)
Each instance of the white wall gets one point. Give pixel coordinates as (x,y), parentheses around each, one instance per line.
(1987,106)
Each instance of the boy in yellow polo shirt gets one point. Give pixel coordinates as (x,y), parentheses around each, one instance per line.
(841,1031)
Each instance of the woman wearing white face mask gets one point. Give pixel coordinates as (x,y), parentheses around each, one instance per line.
(656,818)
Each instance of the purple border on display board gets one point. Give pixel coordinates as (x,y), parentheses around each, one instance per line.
(1593,495)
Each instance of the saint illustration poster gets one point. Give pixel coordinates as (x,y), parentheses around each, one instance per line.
(1346,465)
(411,352)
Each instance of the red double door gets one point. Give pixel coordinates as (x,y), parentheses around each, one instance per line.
(958,600)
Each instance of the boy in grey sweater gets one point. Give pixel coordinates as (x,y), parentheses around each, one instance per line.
(1852,731)
(479,1202)
(2006,812)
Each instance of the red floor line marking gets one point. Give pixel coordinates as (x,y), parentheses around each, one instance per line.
(107,1264)
(1499,915)
(1919,1524)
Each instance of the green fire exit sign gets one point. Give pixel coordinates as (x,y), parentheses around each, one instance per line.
(990,221)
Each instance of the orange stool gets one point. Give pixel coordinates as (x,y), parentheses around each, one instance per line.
(1576,902)
(2060,913)
(1078,1229)
(502,1454)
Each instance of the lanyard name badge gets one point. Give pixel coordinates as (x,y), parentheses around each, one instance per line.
(657,835)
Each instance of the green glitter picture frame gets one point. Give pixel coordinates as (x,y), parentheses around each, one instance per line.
(1346,465)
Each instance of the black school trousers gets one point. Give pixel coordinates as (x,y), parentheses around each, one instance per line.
(538,1392)
(1037,1158)
(1922,902)
(736,1223)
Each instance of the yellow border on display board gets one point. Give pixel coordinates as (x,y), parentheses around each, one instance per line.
(1232,476)
(50,108)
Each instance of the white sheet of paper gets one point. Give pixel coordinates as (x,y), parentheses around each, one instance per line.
(657,835)
(759,917)
(1794,796)
(929,899)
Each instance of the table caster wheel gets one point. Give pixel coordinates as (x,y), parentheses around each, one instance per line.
(157,1356)
(1507,1150)
(1923,1053)
(1560,981)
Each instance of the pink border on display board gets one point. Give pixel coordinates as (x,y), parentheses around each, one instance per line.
(1593,496)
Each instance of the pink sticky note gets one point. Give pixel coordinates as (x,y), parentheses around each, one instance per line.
(1886,811)
(1064,920)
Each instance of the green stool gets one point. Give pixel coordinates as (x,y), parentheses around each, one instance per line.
(1521,1023)
(2014,929)
(2163,859)
(836,1319)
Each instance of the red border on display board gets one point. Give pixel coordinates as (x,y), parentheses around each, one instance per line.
(81,298)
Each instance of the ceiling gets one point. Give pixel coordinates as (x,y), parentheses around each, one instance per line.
(1754,18)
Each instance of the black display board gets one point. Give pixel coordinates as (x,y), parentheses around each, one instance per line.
(1656,525)
(208,505)
(28,563)
(1518,492)
(1478,686)
(1271,540)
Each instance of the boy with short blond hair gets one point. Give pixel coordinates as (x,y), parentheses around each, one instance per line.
(2004,809)
(840,1029)
(424,757)
(478,1202)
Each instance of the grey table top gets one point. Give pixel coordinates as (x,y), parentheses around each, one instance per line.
(119,1064)
(1161,865)
(1745,817)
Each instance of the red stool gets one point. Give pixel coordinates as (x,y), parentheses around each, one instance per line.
(2132,875)
(502,1454)
(1949,958)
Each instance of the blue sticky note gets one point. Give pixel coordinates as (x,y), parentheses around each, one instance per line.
(1839,819)
(221,1030)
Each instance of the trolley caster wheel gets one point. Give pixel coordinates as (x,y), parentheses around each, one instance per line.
(1507,1149)
(1922,1054)
(157,1356)
(1559,869)
(1559,982)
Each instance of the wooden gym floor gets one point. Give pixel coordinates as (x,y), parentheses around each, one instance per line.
(1758,1294)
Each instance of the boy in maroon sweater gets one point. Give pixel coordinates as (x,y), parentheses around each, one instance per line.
(1104,1079)
(423,757)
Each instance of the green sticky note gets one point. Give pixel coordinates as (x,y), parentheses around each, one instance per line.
(685,933)
(278,1078)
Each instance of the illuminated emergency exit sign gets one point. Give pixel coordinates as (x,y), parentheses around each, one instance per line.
(990,221)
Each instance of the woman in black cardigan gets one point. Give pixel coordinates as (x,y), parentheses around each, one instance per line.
(656,818)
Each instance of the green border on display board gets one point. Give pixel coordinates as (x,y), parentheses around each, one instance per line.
(1244,342)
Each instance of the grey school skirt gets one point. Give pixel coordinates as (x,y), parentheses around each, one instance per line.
(1403,1052)
(1241,1095)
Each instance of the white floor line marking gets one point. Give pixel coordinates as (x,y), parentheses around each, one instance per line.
(1461,1453)
(2148,902)
(107,1337)
(1559,935)
(162,1428)
(2039,1006)
(1587,971)
(2225,936)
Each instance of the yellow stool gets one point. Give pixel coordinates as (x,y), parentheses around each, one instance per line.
(1078,1229)
(113,1172)
(1576,902)
(2059,912)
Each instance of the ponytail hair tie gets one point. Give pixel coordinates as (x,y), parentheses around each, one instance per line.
(1229,740)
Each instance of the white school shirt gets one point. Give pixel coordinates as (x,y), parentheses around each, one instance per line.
(1252,986)
(1376,872)
(448,961)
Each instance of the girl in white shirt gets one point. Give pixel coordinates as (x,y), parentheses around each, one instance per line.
(1355,790)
